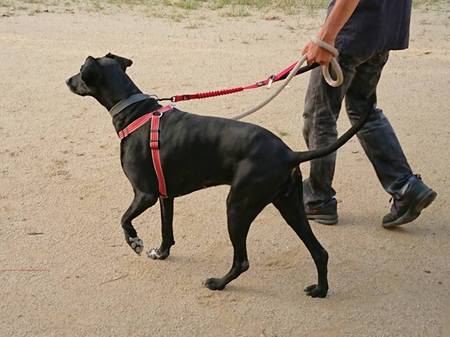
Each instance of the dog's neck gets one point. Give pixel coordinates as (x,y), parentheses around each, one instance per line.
(121,89)
(133,111)
(125,103)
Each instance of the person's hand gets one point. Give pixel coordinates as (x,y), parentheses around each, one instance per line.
(317,54)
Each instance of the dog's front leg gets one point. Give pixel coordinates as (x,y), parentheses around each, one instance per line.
(166,205)
(140,203)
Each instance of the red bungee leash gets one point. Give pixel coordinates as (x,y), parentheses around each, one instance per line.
(274,78)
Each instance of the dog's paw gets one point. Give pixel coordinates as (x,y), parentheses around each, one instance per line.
(136,244)
(214,284)
(157,254)
(316,291)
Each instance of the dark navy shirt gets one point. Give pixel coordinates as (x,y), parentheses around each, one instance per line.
(375,26)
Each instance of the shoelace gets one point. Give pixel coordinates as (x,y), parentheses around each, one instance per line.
(393,200)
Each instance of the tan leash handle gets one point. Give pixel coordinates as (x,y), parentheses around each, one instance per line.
(334,64)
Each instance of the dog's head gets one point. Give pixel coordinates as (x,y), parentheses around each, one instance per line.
(103,78)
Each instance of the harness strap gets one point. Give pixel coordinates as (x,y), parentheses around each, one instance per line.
(154,142)
(154,146)
(133,126)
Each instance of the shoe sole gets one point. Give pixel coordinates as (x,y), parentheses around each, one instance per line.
(324,219)
(412,213)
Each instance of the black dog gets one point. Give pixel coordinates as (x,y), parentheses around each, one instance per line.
(197,152)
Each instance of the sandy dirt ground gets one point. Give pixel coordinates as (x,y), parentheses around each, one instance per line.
(65,269)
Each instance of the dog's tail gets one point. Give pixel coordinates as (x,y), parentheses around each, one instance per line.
(303,156)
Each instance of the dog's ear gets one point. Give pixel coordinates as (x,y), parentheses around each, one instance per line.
(124,62)
(90,73)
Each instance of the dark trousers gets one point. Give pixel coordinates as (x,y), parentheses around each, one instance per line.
(377,137)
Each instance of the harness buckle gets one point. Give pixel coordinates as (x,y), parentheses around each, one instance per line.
(124,133)
(154,144)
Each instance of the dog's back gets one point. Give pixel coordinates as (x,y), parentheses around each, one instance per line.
(199,151)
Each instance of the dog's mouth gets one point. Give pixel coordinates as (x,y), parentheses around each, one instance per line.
(69,84)
(75,87)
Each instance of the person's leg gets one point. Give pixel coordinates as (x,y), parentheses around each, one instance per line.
(322,106)
(382,147)
(377,136)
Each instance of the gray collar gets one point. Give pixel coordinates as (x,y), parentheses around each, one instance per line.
(118,107)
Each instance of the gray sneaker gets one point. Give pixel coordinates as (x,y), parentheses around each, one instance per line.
(324,213)
(409,206)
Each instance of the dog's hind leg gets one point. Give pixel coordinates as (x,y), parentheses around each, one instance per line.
(240,214)
(291,208)
(140,203)
(166,205)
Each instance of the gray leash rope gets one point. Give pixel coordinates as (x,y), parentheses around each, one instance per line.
(325,71)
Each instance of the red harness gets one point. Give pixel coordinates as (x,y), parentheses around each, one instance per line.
(154,116)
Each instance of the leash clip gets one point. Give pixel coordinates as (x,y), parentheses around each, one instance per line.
(172,99)
(269,84)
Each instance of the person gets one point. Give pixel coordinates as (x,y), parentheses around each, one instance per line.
(363,31)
